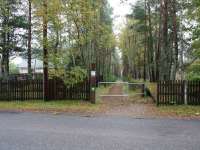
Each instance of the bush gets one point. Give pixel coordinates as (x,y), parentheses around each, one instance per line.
(111,78)
(193,72)
(73,76)
(192,76)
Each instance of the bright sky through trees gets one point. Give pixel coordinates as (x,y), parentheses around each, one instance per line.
(120,10)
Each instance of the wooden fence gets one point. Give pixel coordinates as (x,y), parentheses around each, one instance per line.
(58,90)
(178,92)
(193,93)
(33,90)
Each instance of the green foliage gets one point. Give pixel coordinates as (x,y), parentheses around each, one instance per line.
(139,12)
(70,77)
(80,33)
(75,75)
(13,69)
(112,78)
(60,67)
(132,45)
(194,71)
(10,22)
(193,76)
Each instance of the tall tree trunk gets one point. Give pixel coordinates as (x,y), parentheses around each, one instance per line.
(56,48)
(145,48)
(159,44)
(6,44)
(29,38)
(175,39)
(182,47)
(151,51)
(165,56)
(45,50)
(3,62)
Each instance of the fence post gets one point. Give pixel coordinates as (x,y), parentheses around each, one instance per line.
(185,92)
(93,84)
(158,92)
(144,90)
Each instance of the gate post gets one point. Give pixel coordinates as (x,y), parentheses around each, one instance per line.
(93,84)
(185,92)
(144,90)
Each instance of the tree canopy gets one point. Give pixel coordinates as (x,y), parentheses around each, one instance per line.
(161,40)
(78,33)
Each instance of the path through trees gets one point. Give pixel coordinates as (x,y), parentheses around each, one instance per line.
(115,102)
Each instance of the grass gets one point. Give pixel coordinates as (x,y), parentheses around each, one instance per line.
(182,110)
(58,106)
(134,92)
(102,90)
(125,89)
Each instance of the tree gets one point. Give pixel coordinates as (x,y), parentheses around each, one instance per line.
(29,36)
(45,49)
(11,41)
(165,47)
(66,35)
(193,68)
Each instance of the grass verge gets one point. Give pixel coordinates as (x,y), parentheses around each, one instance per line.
(182,110)
(51,106)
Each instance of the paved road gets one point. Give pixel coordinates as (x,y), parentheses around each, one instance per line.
(27,131)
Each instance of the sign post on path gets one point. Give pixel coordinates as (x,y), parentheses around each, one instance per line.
(93,84)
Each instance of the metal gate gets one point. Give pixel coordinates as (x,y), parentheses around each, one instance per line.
(120,89)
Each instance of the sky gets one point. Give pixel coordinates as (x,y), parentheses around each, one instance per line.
(120,10)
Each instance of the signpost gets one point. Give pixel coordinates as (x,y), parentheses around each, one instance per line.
(93,84)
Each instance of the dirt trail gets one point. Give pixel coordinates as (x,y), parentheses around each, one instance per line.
(117,89)
(114,98)
(135,106)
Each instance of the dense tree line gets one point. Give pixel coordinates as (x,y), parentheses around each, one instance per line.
(160,40)
(68,35)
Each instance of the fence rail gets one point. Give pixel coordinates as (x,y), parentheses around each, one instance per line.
(33,90)
(178,92)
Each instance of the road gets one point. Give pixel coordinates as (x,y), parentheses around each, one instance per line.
(34,131)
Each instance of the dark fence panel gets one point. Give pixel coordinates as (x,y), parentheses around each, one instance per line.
(58,90)
(170,92)
(33,90)
(178,92)
(21,90)
(193,93)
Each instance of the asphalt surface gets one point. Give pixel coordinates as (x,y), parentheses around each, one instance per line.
(28,131)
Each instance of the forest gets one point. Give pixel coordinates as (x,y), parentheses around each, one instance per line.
(159,41)
(67,35)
